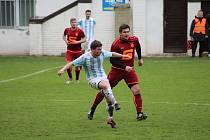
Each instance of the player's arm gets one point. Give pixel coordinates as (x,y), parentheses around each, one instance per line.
(116,61)
(77,62)
(82,40)
(79,23)
(62,70)
(114,54)
(192,28)
(65,39)
(83,37)
(65,36)
(138,51)
(94,21)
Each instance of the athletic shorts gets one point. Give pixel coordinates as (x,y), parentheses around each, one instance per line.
(94,83)
(86,46)
(70,55)
(116,75)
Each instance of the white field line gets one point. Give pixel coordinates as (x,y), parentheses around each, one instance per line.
(170,103)
(28,75)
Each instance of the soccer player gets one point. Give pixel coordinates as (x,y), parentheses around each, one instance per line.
(92,62)
(122,69)
(73,37)
(87,24)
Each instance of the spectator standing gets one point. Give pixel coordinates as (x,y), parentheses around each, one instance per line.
(198,32)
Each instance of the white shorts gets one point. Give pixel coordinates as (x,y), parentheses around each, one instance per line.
(86,45)
(94,83)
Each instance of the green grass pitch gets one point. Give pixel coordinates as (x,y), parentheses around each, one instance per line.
(36,104)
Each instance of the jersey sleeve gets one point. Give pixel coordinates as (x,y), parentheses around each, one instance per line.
(79,61)
(113,48)
(138,49)
(79,23)
(94,22)
(65,32)
(107,53)
(82,34)
(115,61)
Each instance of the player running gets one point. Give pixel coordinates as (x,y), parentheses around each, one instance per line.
(92,63)
(73,37)
(122,69)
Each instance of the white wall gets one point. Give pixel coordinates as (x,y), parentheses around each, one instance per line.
(148,25)
(46,39)
(154,27)
(52,30)
(105,24)
(17,41)
(14,42)
(139,22)
(46,7)
(36,41)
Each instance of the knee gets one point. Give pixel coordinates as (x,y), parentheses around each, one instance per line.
(136,90)
(104,86)
(77,69)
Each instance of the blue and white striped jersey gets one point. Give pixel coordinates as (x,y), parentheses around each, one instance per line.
(93,66)
(88,27)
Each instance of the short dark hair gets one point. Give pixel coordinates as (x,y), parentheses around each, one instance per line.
(123,26)
(95,44)
(88,11)
(72,19)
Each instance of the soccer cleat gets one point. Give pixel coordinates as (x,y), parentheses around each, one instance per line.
(77,81)
(141,116)
(111,122)
(69,81)
(90,114)
(117,106)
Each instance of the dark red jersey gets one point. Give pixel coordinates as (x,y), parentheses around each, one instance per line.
(74,35)
(125,47)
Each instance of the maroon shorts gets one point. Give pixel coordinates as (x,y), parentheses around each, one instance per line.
(116,75)
(70,55)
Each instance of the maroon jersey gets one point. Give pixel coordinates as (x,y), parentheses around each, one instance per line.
(74,35)
(125,47)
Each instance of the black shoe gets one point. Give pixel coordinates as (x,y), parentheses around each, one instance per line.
(193,55)
(117,106)
(141,116)
(90,114)
(111,122)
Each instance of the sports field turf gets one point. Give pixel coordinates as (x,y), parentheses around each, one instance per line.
(36,104)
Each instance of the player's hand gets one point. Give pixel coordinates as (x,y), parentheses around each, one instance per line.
(126,56)
(60,72)
(128,68)
(83,51)
(141,62)
(67,42)
(73,42)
